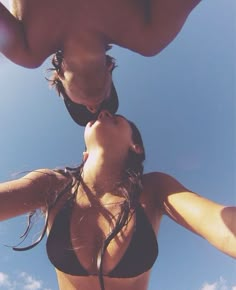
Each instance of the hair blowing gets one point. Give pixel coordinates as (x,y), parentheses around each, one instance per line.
(130,187)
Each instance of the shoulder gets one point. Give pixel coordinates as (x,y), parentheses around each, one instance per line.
(159,179)
(160,186)
(44,182)
(45,175)
(34,190)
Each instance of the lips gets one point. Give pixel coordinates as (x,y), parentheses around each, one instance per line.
(103,116)
(90,123)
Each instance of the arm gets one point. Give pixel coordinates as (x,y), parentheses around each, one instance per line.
(30,192)
(13,41)
(214,222)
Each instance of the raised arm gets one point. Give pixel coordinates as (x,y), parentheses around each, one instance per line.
(30,192)
(13,41)
(214,222)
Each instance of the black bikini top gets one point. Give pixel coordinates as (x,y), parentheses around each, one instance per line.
(138,258)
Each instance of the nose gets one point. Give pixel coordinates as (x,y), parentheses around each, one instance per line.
(104,113)
(93,109)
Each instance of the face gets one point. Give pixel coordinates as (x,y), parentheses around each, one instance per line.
(112,132)
(90,95)
(81,115)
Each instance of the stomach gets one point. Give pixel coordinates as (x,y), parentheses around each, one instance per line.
(69,282)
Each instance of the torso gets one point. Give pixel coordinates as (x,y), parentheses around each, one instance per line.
(81,25)
(60,23)
(86,243)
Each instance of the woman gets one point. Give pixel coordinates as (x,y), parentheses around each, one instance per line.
(102,218)
(80,32)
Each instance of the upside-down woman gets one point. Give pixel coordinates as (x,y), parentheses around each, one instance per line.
(78,34)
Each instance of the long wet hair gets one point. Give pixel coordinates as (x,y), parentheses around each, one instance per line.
(130,187)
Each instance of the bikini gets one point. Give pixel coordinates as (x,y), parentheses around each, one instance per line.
(138,258)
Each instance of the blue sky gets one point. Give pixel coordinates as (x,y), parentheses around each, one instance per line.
(183,101)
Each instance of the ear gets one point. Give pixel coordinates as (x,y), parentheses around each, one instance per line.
(61,75)
(85,156)
(110,66)
(137,148)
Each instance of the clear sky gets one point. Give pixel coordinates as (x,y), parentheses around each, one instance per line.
(183,101)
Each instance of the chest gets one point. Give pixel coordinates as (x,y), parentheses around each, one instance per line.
(76,241)
(79,230)
(90,227)
(114,20)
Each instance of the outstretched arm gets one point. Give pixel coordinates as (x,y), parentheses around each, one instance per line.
(214,222)
(30,192)
(13,41)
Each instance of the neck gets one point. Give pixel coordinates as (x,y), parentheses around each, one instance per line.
(85,71)
(87,57)
(102,173)
(86,79)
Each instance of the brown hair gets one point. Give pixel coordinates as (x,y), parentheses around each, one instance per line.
(79,113)
(130,187)
(57,60)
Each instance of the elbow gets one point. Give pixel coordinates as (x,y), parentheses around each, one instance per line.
(31,64)
(229,246)
(24,58)
(27,60)
(229,251)
(228,215)
(151,46)
(149,51)
(226,243)
(26,63)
